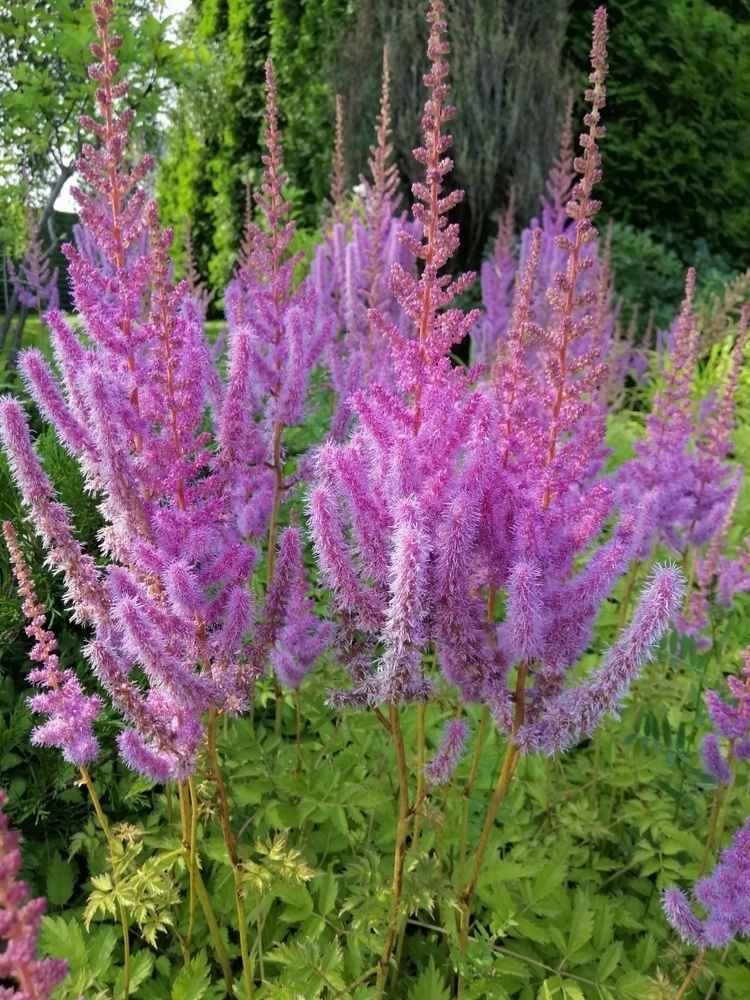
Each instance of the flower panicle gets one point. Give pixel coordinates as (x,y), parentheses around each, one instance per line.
(20,926)
(424,299)
(724,896)
(70,712)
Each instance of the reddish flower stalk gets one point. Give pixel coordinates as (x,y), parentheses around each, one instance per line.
(565,297)
(338,167)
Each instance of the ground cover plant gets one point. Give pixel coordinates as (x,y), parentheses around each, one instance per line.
(358,671)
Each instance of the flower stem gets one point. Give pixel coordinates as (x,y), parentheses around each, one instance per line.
(193,857)
(231,845)
(273,530)
(420,765)
(298,730)
(630,581)
(469,788)
(693,971)
(106,830)
(416,811)
(714,823)
(504,779)
(200,888)
(399,852)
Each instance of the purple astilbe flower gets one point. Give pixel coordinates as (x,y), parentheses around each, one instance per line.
(502,273)
(663,461)
(202,296)
(712,486)
(441,768)
(303,637)
(382,501)
(575,713)
(338,165)
(167,449)
(350,273)
(724,896)
(20,924)
(277,335)
(498,275)
(71,713)
(731,720)
(714,761)
(35,280)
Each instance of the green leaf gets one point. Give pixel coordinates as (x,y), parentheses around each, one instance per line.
(61,938)
(100,945)
(327,892)
(572,991)
(430,985)
(609,960)
(141,967)
(193,981)
(60,881)
(581,924)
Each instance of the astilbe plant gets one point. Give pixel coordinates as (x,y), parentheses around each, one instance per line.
(350,273)
(276,337)
(70,712)
(685,463)
(168,453)
(502,273)
(731,722)
(724,895)
(24,975)
(35,280)
(446,491)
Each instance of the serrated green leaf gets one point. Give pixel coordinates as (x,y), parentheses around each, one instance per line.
(193,980)
(141,967)
(327,892)
(61,938)
(430,985)
(100,945)
(581,924)
(609,961)
(60,881)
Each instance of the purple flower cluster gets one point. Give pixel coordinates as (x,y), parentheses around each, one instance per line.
(35,280)
(732,723)
(449,491)
(683,459)
(724,895)
(33,978)
(440,769)
(276,337)
(506,280)
(71,713)
(350,270)
(171,451)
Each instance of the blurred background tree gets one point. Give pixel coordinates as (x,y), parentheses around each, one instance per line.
(45,87)
(507,79)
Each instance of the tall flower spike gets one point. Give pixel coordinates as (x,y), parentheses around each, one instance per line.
(35,282)
(71,713)
(338,164)
(20,924)
(423,299)
(441,768)
(565,295)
